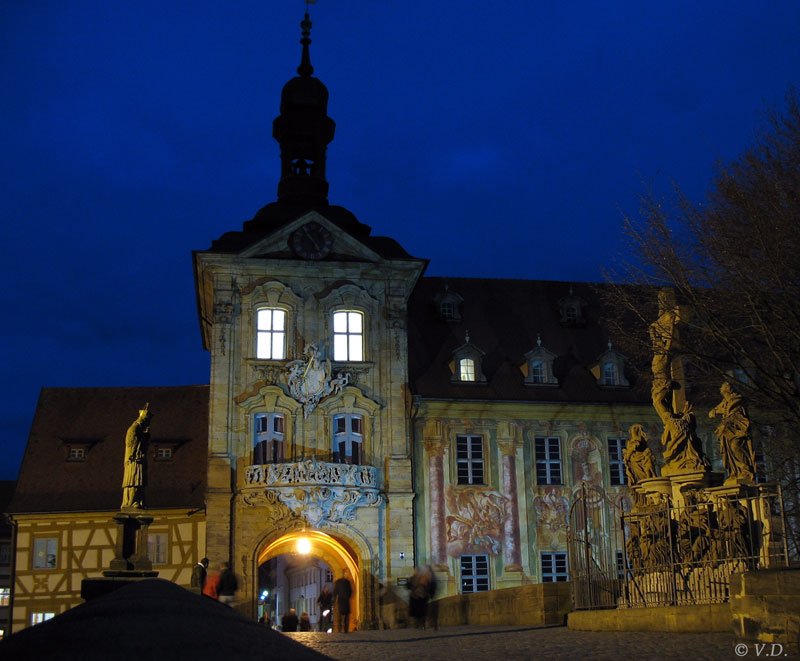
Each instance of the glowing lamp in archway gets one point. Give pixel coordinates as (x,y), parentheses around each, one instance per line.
(304,546)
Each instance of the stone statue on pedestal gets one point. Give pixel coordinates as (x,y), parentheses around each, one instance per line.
(639,461)
(135,447)
(733,433)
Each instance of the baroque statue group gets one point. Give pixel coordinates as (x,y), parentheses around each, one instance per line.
(685,513)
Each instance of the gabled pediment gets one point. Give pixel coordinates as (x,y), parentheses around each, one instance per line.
(312,237)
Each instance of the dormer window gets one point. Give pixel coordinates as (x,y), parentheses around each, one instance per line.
(609,370)
(448,304)
(76,454)
(467,364)
(78,449)
(571,310)
(164,449)
(538,366)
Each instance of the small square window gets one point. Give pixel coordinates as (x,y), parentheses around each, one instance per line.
(474,573)
(76,454)
(163,453)
(554,567)
(45,553)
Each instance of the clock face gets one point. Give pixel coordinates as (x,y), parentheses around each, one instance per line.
(311,241)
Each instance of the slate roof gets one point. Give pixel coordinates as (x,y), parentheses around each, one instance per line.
(98,418)
(503,318)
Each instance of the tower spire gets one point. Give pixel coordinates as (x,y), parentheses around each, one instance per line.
(305,69)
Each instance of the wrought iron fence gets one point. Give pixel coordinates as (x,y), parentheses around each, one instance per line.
(660,555)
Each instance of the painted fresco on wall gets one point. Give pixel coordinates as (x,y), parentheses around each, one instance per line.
(586,461)
(474,521)
(552,511)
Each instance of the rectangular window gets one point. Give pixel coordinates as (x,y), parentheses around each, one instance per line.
(45,553)
(466,369)
(5,596)
(270,432)
(163,453)
(348,438)
(348,335)
(548,459)
(554,567)
(474,573)
(76,454)
(616,466)
(157,549)
(271,333)
(39,617)
(469,459)
(620,559)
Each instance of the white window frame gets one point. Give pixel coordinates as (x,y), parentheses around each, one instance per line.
(616,465)
(76,454)
(466,370)
(348,335)
(37,617)
(475,575)
(271,325)
(547,453)
(158,547)
(273,436)
(348,429)
(554,566)
(41,553)
(470,463)
(610,373)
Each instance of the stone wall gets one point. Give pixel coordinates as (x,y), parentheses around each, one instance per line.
(527,605)
(765,607)
(701,618)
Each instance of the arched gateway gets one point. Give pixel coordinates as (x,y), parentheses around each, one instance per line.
(338,555)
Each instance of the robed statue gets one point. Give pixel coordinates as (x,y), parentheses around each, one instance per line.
(638,458)
(682,447)
(135,447)
(733,434)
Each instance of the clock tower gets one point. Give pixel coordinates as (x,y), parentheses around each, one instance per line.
(304,313)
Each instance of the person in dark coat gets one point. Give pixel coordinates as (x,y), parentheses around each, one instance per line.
(342,591)
(325,603)
(228,585)
(199,574)
(305,622)
(289,621)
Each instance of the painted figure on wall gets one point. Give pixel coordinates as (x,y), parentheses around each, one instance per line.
(552,511)
(733,434)
(135,447)
(475,521)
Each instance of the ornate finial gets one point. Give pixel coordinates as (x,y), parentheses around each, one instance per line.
(571,292)
(609,345)
(305,69)
(466,338)
(538,340)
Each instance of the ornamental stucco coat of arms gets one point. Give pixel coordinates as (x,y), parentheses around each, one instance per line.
(310,379)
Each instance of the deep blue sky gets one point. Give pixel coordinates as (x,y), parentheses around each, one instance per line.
(497,139)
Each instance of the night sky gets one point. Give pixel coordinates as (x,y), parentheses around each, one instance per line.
(497,139)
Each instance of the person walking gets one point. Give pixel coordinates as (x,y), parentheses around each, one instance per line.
(305,622)
(228,585)
(325,603)
(211,585)
(199,574)
(289,621)
(342,591)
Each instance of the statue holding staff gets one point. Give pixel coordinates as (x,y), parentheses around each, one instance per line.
(135,447)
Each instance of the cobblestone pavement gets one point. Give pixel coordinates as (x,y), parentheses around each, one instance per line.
(503,643)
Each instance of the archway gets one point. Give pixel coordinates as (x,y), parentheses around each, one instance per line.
(335,553)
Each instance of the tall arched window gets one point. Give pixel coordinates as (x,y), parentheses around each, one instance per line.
(348,335)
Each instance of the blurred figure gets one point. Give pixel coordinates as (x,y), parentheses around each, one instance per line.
(342,591)
(325,603)
(305,622)
(289,621)
(422,588)
(210,588)
(228,585)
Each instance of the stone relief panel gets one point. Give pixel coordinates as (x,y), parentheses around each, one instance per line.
(474,520)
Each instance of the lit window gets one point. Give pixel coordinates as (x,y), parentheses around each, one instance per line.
(348,335)
(548,459)
(348,437)
(554,567)
(45,552)
(538,373)
(38,618)
(270,432)
(616,466)
(466,369)
(5,596)
(76,454)
(469,459)
(271,333)
(157,547)
(474,573)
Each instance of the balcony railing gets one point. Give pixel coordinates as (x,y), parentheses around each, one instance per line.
(310,472)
